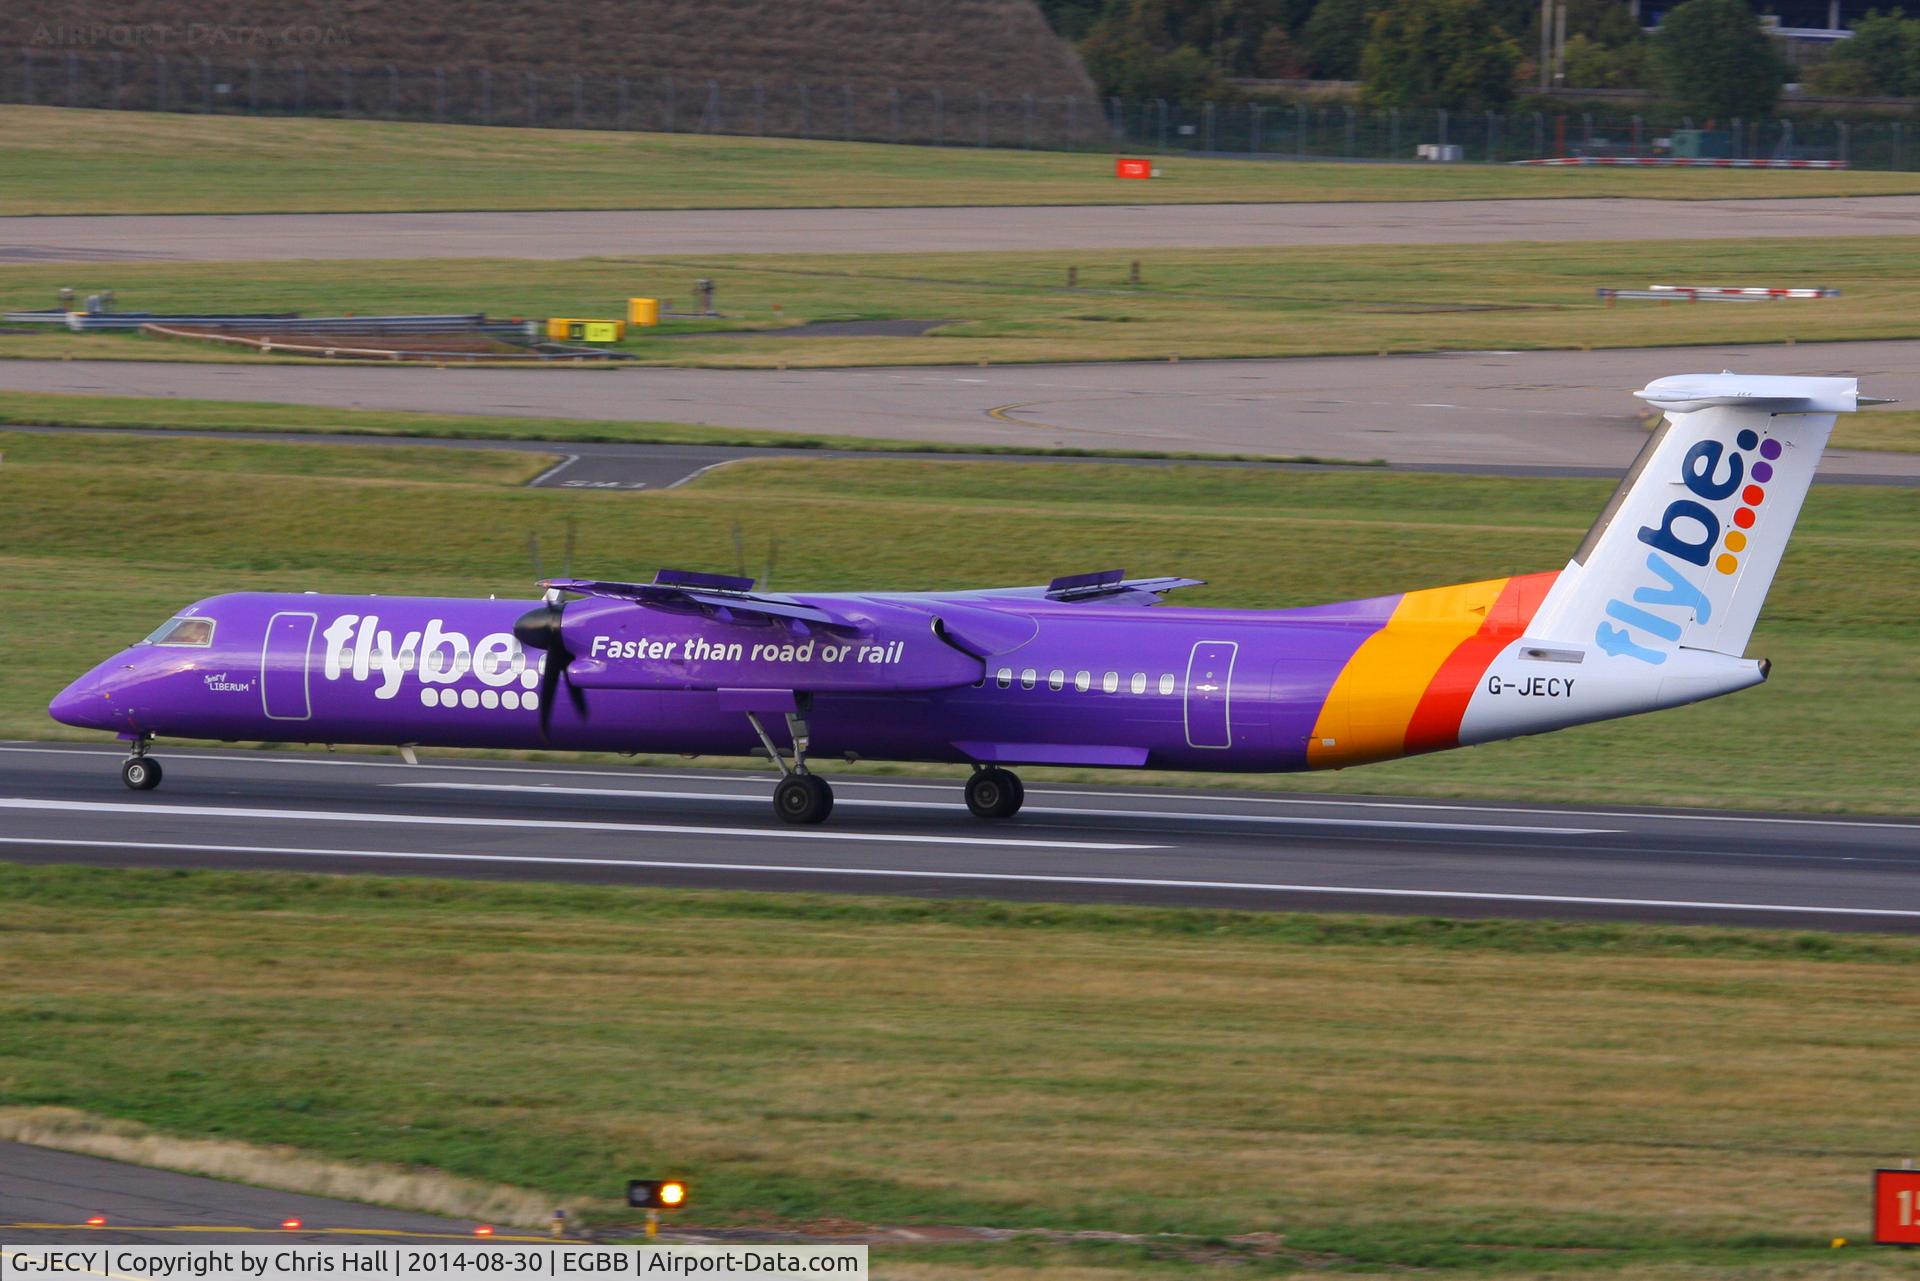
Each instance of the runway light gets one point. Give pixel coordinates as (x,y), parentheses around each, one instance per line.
(656,1194)
(290,1224)
(97,1221)
(483,1230)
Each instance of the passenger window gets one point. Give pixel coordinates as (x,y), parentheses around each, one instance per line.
(1083,681)
(1139,683)
(194,632)
(1028,677)
(1166,683)
(1110,682)
(1004,678)
(1056,680)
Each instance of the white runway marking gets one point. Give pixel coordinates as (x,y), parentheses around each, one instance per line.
(155,811)
(1054,810)
(1140,882)
(1217,798)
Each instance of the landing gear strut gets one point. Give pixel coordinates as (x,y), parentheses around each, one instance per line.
(138,771)
(802,796)
(993,792)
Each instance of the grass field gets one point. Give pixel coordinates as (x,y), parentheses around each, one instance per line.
(58,160)
(122,531)
(1017,307)
(1281,1093)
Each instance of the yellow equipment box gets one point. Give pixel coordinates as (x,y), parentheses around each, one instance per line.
(577,330)
(642,312)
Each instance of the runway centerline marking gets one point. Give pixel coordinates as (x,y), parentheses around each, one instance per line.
(1031,878)
(1283,820)
(557,824)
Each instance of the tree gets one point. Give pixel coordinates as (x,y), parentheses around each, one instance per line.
(1335,35)
(1717,62)
(1882,59)
(1439,53)
(1123,62)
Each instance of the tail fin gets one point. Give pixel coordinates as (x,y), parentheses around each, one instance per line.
(1683,555)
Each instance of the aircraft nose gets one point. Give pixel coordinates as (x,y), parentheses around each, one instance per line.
(83,704)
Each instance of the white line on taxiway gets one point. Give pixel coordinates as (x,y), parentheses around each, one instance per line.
(1276,819)
(1128,882)
(151,812)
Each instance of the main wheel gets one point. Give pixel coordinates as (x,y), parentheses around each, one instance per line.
(995,793)
(803,798)
(141,773)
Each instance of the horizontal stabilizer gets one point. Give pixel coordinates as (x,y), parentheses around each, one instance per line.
(1684,393)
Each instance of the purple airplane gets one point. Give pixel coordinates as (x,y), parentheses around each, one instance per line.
(1653,611)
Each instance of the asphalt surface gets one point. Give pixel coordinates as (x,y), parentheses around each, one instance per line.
(469,818)
(630,233)
(47,1196)
(1512,411)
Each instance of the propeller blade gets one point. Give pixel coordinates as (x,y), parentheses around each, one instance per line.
(550,674)
(539,628)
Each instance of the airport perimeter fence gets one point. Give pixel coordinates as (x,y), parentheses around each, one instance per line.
(564,99)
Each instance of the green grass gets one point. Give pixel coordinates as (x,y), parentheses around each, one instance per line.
(120,535)
(1465,1098)
(1016,307)
(58,160)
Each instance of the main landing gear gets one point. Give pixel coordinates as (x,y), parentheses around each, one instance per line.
(802,796)
(138,771)
(993,792)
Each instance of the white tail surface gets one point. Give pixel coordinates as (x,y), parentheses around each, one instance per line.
(1682,557)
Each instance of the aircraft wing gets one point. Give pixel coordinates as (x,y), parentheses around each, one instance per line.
(1109,585)
(706,593)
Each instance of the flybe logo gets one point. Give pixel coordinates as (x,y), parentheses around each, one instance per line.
(1688,545)
(452,670)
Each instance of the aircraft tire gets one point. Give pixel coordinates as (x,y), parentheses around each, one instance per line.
(803,798)
(995,793)
(140,773)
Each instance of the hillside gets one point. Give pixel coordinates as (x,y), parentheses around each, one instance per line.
(913,68)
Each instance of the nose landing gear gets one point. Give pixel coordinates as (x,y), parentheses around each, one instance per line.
(993,792)
(138,771)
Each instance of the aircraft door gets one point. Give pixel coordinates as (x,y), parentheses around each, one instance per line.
(284,657)
(1209,690)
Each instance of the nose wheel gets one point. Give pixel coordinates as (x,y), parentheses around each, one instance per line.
(140,773)
(995,793)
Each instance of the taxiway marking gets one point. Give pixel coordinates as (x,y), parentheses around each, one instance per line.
(1029,878)
(154,811)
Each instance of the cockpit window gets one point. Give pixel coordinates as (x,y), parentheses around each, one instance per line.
(194,632)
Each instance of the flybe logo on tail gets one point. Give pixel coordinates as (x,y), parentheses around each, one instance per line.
(1689,543)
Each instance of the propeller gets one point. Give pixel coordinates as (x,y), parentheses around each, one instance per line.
(539,629)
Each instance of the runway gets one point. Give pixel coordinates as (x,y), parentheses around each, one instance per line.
(1512,411)
(47,1196)
(1073,843)
(635,233)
